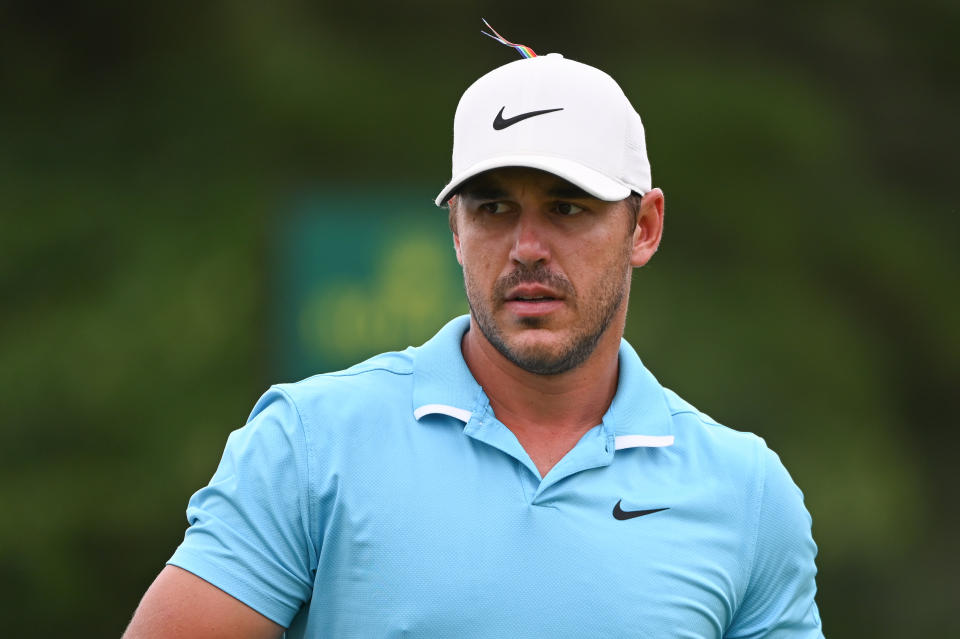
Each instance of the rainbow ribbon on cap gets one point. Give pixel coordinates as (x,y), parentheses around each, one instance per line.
(524,50)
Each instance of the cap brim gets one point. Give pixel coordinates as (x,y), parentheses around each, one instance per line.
(593,182)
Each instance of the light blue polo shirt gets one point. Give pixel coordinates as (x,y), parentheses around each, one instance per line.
(388,500)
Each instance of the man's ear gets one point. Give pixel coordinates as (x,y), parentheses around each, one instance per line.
(456,247)
(649,229)
(452,221)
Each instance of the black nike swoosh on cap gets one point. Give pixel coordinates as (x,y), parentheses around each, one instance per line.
(500,122)
(623,515)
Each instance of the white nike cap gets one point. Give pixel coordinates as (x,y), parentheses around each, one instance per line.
(556,115)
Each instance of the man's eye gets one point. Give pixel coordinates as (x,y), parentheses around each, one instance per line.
(494,207)
(567,208)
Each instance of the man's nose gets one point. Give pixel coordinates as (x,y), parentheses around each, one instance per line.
(530,244)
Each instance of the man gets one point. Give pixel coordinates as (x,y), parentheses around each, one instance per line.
(521,474)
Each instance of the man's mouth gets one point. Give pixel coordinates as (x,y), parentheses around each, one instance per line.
(531,298)
(532,293)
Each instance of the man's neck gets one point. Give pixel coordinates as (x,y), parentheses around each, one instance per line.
(568,403)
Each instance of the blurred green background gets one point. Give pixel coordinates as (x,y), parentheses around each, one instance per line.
(165,169)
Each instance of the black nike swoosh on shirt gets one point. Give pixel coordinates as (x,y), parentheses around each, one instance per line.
(623,515)
(500,122)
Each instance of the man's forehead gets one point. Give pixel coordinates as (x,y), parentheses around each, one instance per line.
(502,181)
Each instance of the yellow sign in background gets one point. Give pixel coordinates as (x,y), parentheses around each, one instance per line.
(353,279)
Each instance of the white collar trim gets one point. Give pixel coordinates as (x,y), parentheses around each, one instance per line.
(648,441)
(430,409)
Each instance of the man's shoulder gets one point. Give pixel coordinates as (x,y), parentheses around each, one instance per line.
(371,375)
(380,384)
(701,431)
(740,462)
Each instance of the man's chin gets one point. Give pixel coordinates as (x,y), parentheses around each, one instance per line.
(538,339)
(549,355)
(535,344)
(532,323)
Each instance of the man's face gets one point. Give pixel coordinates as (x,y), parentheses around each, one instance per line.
(546,266)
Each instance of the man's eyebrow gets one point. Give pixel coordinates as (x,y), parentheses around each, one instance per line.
(569,191)
(483,192)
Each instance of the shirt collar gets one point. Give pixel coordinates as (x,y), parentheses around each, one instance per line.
(637,416)
(442,383)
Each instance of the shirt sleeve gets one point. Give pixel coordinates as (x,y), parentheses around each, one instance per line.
(779,599)
(250,527)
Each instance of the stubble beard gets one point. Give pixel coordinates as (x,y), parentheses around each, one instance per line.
(544,360)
